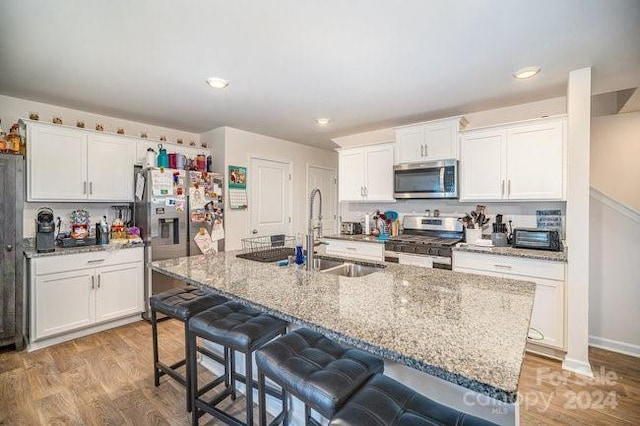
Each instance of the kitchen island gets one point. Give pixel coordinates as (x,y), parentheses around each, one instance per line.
(464,329)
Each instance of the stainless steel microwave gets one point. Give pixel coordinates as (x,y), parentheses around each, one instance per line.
(437,179)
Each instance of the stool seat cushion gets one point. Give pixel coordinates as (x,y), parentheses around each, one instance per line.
(384,402)
(321,372)
(236,326)
(184,302)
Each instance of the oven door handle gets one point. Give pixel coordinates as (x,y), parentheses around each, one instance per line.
(442,180)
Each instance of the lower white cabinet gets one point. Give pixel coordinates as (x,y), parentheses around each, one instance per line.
(358,250)
(80,291)
(548,317)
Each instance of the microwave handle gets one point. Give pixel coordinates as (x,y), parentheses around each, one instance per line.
(442,180)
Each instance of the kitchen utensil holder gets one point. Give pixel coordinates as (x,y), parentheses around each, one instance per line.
(471,235)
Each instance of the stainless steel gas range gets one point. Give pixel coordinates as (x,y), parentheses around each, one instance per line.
(426,241)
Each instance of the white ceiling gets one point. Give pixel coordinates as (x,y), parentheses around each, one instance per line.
(365,64)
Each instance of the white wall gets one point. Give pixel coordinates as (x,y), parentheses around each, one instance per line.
(239,147)
(12,109)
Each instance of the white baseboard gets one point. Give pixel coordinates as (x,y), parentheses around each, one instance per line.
(577,366)
(615,346)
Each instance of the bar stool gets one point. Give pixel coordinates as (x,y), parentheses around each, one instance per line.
(237,328)
(382,402)
(316,370)
(180,303)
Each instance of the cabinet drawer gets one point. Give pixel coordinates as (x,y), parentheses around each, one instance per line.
(54,264)
(509,265)
(369,251)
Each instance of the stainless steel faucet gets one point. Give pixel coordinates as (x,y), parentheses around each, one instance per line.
(310,230)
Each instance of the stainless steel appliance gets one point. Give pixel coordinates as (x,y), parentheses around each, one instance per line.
(437,179)
(425,241)
(535,238)
(12,296)
(351,228)
(45,230)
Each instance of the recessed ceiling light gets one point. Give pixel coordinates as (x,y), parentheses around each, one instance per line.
(217,83)
(527,72)
(323,121)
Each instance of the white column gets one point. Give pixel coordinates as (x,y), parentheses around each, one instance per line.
(578,157)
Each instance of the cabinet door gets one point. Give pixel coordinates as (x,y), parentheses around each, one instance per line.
(110,168)
(440,141)
(535,162)
(120,291)
(57,169)
(63,302)
(482,166)
(410,145)
(352,175)
(548,312)
(379,173)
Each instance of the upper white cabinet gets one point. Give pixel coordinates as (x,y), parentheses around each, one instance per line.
(434,140)
(66,164)
(520,161)
(366,173)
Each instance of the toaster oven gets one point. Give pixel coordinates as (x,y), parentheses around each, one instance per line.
(351,228)
(534,238)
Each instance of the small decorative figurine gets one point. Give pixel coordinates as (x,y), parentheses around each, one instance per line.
(80,124)
(192,143)
(56,120)
(163,138)
(179,141)
(99,127)
(34,116)
(143,135)
(120,131)
(203,144)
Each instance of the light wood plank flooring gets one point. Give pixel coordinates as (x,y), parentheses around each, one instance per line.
(107,379)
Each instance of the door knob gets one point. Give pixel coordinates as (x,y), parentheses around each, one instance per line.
(254,232)
(9,247)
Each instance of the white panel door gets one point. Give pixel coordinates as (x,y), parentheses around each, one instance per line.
(351,177)
(548,312)
(63,301)
(440,141)
(535,162)
(410,144)
(482,166)
(57,169)
(269,203)
(379,173)
(110,168)
(326,181)
(120,291)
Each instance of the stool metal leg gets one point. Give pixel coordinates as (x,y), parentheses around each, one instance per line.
(232,372)
(249,387)
(187,369)
(307,415)
(192,390)
(156,358)
(262,400)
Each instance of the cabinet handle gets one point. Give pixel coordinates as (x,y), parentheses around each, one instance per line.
(362,191)
(90,187)
(502,189)
(93,282)
(84,187)
(503,266)
(95,261)
(98,280)
(366,191)
(352,248)
(426,150)
(421,150)
(508,187)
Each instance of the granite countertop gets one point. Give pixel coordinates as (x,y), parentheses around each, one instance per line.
(30,250)
(555,256)
(361,238)
(464,328)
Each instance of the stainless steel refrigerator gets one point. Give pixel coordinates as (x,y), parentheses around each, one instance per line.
(12,296)
(169,218)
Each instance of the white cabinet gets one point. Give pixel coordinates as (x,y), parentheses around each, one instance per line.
(547,318)
(354,249)
(521,161)
(75,293)
(431,141)
(67,164)
(366,173)
(56,164)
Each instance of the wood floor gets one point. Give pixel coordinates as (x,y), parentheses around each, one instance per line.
(107,379)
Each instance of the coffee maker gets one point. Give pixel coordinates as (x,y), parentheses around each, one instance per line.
(45,230)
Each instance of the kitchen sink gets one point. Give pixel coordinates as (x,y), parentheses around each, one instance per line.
(353,270)
(322,264)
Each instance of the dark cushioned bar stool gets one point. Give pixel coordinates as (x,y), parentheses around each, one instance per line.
(237,328)
(384,402)
(180,303)
(316,370)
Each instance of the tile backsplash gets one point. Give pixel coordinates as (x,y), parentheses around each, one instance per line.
(522,214)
